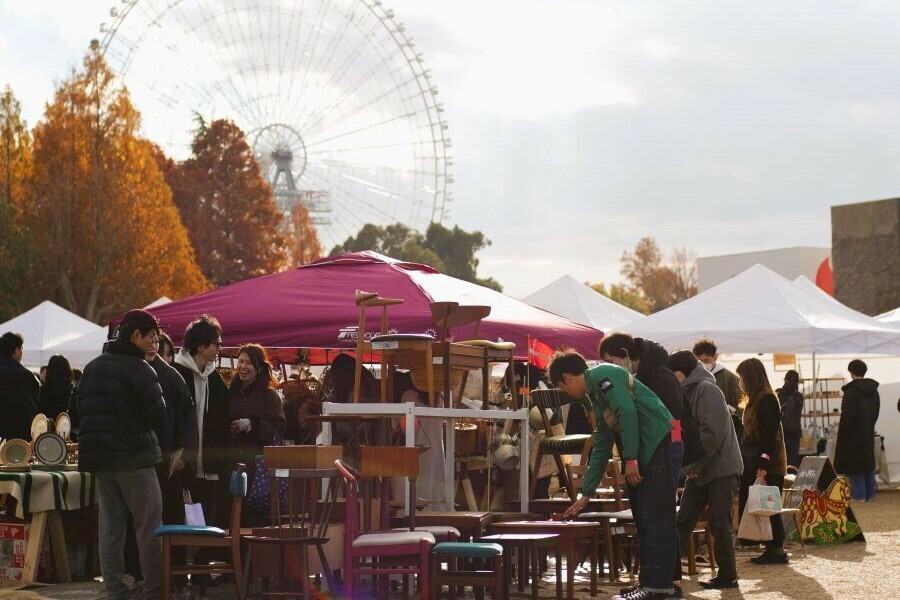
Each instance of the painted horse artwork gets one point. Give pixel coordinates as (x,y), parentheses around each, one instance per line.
(826,518)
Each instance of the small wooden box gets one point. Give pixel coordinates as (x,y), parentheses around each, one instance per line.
(389,461)
(301,457)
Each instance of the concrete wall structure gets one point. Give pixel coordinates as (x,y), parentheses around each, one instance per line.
(787,262)
(865,238)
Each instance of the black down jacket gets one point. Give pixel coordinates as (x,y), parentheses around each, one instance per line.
(120,406)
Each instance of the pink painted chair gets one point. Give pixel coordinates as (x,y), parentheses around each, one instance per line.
(404,552)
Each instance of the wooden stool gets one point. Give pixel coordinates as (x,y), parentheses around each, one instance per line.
(468,551)
(528,546)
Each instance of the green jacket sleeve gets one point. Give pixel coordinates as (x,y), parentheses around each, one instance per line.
(622,404)
(600,455)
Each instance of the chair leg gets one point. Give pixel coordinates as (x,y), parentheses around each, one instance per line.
(245,581)
(564,481)
(435,588)
(534,473)
(500,583)
(235,565)
(424,570)
(167,568)
(712,549)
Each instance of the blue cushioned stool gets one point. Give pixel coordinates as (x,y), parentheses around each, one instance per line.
(470,553)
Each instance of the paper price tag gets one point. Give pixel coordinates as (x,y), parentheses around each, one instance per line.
(281,473)
(385,345)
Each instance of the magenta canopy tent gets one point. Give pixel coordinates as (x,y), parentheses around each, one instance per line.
(312,307)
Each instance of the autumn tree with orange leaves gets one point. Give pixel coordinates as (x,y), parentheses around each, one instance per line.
(15,165)
(662,283)
(227,206)
(301,240)
(106,234)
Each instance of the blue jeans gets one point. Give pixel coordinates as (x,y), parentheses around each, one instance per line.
(653,507)
(863,485)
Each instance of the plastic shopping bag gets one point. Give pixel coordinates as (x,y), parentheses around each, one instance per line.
(763,499)
(193,513)
(754,527)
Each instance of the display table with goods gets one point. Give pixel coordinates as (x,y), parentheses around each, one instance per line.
(41,475)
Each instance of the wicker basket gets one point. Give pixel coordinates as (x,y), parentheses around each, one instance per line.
(466,437)
(420,379)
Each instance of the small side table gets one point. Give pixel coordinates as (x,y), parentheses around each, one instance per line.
(528,545)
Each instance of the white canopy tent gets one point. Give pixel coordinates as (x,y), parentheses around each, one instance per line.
(569,298)
(45,326)
(761,311)
(892,316)
(82,350)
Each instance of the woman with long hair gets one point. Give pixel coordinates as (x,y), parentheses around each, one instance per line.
(256,414)
(57,389)
(762,448)
(791,400)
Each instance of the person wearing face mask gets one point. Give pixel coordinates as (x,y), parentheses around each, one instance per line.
(706,352)
(256,412)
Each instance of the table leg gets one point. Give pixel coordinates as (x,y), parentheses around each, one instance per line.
(33,546)
(558,572)
(594,562)
(535,571)
(570,567)
(610,553)
(523,567)
(58,547)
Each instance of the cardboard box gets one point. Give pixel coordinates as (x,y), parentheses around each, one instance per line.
(13,539)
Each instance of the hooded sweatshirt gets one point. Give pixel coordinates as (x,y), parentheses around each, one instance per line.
(729,383)
(706,402)
(201,380)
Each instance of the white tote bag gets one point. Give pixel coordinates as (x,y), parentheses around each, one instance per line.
(764,500)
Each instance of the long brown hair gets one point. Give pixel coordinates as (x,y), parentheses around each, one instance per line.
(756,382)
(260,360)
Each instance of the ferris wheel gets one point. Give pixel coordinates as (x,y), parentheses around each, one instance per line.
(332,95)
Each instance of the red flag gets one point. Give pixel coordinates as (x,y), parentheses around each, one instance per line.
(539,353)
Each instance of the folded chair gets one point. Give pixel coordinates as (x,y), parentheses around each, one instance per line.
(559,445)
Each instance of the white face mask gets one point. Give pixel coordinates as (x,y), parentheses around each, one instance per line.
(709,366)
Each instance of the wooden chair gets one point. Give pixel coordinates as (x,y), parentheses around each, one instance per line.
(400,552)
(468,355)
(468,553)
(556,446)
(207,537)
(416,345)
(299,524)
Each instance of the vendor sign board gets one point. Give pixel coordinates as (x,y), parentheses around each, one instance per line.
(823,498)
(13,539)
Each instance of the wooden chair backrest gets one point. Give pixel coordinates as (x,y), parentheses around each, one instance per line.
(303,515)
(385,462)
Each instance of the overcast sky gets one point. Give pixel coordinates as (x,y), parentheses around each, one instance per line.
(579,127)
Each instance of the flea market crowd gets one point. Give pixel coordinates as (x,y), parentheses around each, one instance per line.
(690,436)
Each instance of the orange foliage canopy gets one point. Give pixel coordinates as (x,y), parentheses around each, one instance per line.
(106,234)
(227,206)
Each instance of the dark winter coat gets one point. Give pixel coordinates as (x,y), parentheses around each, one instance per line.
(653,372)
(791,411)
(19,393)
(216,455)
(120,407)
(264,408)
(55,397)
(180,425)
(763,435)
(854,451)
